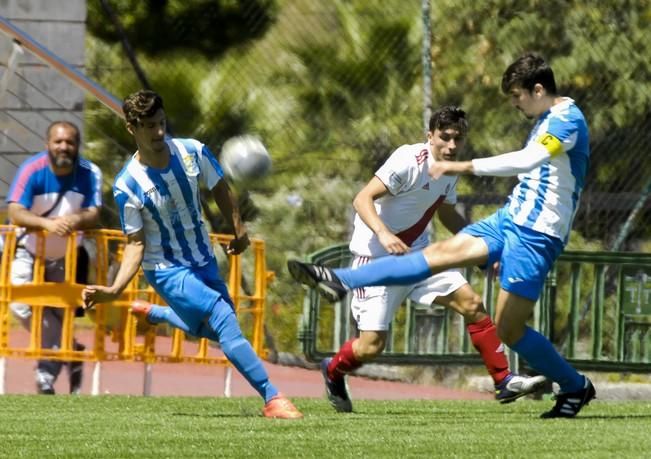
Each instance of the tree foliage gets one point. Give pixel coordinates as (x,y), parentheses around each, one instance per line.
(333,87)
(159,27)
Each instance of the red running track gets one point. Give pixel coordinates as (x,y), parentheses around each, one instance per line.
(178,379)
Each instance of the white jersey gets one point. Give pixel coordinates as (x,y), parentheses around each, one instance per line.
(547,197)
(165,204)
(413,199)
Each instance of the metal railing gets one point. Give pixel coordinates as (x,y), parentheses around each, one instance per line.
(595,307)
(118,334)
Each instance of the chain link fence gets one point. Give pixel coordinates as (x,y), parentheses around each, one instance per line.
(334,87)
(341,84)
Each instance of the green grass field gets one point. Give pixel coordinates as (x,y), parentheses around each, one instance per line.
(122,427)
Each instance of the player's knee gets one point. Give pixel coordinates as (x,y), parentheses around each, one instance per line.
(507,333)
(472,307)
(223,322)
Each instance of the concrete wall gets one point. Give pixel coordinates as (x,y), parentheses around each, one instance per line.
(37,94)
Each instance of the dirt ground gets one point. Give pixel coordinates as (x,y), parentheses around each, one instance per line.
(178,379)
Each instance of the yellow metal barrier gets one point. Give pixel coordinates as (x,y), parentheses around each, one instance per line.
(117,333)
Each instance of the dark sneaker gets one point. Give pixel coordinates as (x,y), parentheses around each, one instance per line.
(516,386)
(336,391)
(569,404)
(319,277)
(76,372)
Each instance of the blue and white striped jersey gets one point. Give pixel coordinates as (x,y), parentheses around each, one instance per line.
(165,204)
(547,197)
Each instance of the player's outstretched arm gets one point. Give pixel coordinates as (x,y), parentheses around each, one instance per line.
(227,204)
(131,259)
(451,218)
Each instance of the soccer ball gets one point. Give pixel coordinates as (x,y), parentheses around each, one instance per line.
(244,158)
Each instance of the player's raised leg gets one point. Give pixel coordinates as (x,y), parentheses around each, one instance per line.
(459,251)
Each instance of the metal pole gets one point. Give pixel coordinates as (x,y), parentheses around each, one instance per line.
(61,66)
(126,45)
(228,378)
(427,64)
(12,63)
(3,374)
(97,379)
(626,227)
(146,387)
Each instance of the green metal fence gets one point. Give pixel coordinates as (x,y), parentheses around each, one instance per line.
(595,307)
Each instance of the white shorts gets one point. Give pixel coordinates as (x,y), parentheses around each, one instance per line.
(373,308)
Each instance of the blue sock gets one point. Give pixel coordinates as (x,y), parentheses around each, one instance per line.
(389,270)
(543,357)
(239,351)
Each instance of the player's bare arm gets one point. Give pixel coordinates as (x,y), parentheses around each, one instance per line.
(227,204)
(451,218)
(364,205)
(440,168)
(21,216)
(131,259)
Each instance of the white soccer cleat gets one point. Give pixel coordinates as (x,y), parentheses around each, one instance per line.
(516,386)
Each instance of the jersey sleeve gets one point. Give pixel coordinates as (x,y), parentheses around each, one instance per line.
(22,187)
(396,172)
(93,196)
(561,134)
(211,171)
(129,208)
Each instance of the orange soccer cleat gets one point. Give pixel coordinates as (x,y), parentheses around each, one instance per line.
(280,407)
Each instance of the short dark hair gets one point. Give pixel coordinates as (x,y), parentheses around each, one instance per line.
(448,116)
(68,124)
(141,104)
(527,71)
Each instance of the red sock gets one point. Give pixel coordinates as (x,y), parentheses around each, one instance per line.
(344,361)
(484,338)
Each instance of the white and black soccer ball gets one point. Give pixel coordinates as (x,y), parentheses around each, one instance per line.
(245,158)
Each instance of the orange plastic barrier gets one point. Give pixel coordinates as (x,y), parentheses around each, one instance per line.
(117,333)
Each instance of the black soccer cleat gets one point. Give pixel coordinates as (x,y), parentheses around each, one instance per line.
(336,391)
(569,404)
(319,277)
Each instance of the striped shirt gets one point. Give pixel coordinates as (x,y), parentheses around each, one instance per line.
(546,198)
(165,204)
(37,188)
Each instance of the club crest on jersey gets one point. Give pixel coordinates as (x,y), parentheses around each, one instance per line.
(190,164)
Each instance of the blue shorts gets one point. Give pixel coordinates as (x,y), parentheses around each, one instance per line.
(192,293)
(525,255)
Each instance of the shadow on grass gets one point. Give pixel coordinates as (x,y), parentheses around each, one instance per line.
(606,416)
(219,415)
